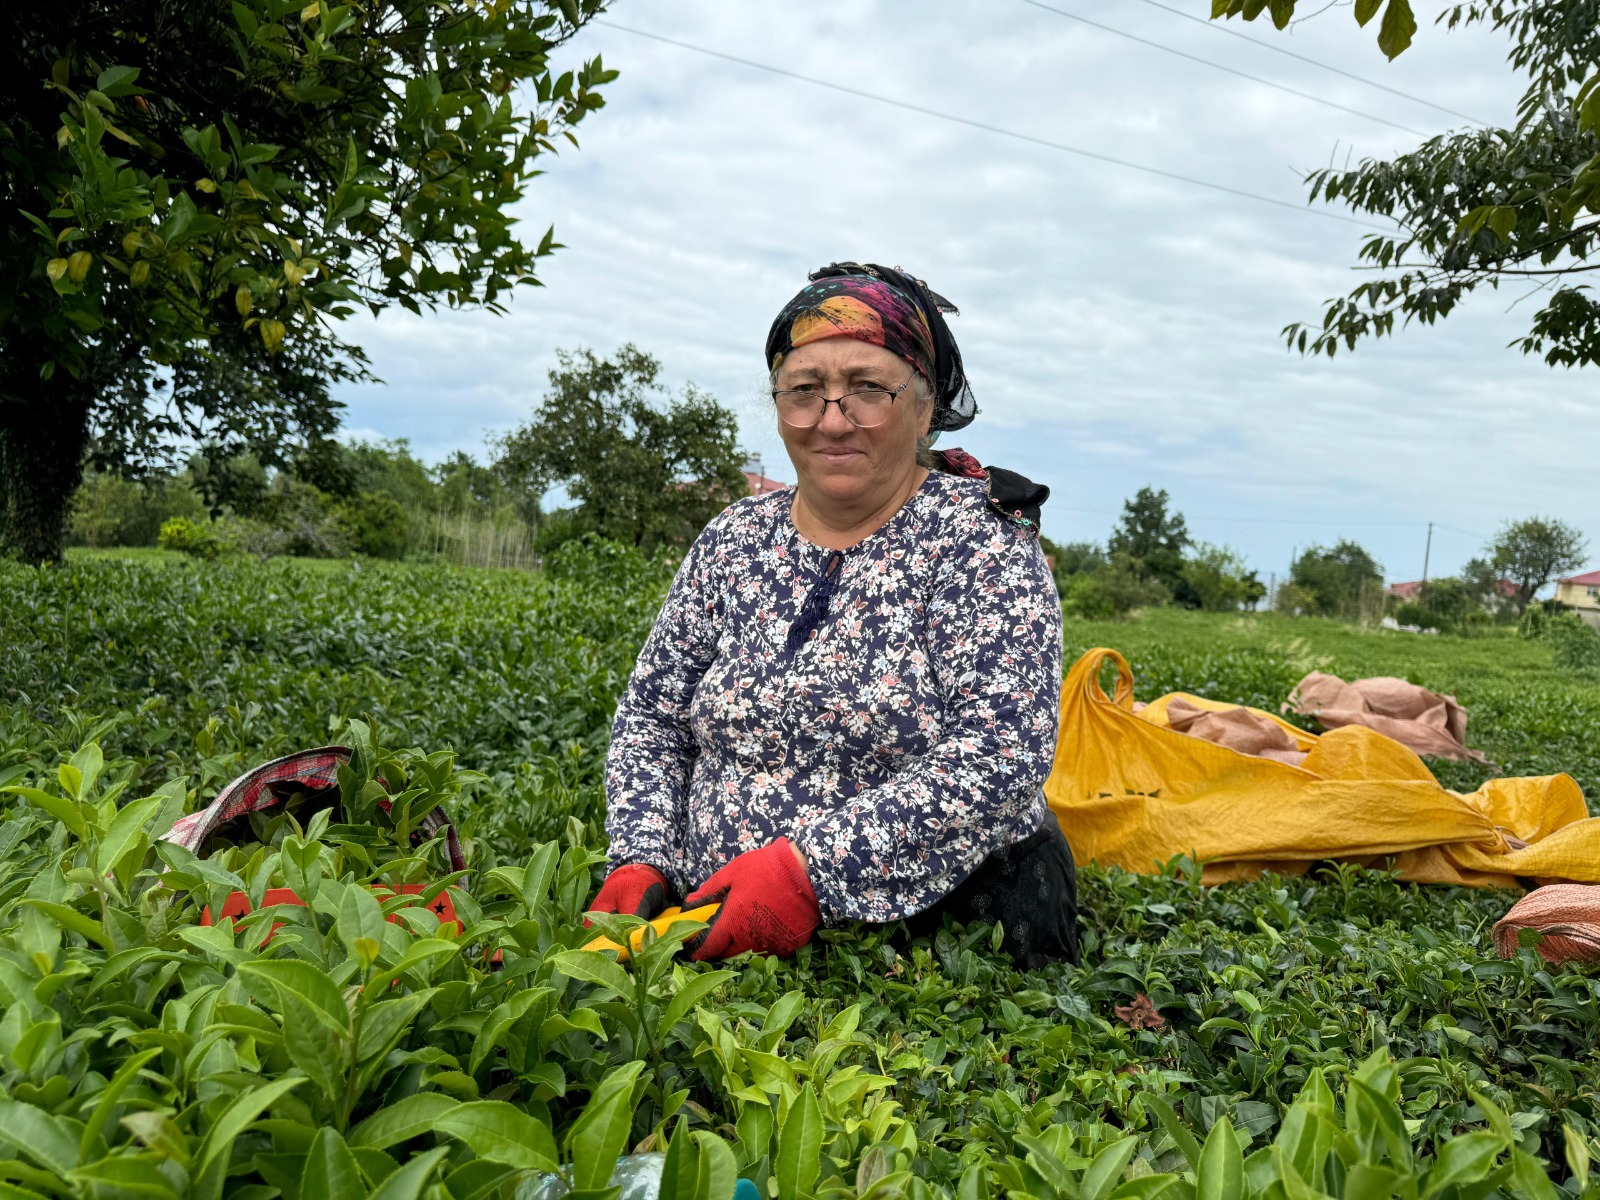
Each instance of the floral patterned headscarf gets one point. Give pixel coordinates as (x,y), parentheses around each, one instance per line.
(884,307)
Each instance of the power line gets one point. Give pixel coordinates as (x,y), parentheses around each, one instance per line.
(1219,27)
(1206,62)
(987,128)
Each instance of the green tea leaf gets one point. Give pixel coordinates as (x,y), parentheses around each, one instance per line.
(1106,1170)
(110,1095)
(718,1173)
(1220,1173)
(62,809)
(409,1182)
(236,1118)
(595,967)
(1185,1141)
(799,1158)
(403,1120)
(360,917)
(600,1133)
(71,918)
(695,989)
(157,1131)
(125,831)
(314,1047)
(1467,1158)
(501,1133)
(47,1139)
(290,978)
(539,874)
(331,1172)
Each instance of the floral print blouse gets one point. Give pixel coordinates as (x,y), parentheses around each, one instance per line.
(905,739)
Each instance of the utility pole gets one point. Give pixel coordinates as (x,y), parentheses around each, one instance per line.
(1427,553)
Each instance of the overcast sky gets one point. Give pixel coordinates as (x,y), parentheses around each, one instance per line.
(1120,329)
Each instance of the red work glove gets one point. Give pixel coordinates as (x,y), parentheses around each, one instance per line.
(636,888)
(767,905)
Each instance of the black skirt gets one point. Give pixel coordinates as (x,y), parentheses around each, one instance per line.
(1031,888)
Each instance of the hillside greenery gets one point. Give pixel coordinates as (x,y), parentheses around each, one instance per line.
(1339,1035)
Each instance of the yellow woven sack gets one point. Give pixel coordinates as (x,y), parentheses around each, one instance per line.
(1131,792)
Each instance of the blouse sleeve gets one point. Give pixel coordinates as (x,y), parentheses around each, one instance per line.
(653,751)
(994,641)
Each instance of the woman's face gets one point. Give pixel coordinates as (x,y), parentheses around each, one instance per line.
(835,460)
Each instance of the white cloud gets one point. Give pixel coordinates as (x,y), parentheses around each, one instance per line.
(1121,329)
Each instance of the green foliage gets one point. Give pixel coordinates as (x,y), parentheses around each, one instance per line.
(188,536)
(1114,591)
(1296,599)
(1216,577)
(1486,591)
(1075,558)
(639,472)
(376,524)
(1574,646)
(1344,581)
(330,500)
(1533,552)
(112,511)
(1151,560)
(1447,603)
(1340,1034)
(1395,30)
(1413,614)
(1153,540)
(203,186)
(1484,206)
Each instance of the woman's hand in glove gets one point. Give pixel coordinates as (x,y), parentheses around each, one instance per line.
(767,902)
(636,888)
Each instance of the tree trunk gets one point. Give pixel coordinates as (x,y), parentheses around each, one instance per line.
(42,441)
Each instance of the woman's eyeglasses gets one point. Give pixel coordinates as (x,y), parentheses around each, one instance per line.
(802,407)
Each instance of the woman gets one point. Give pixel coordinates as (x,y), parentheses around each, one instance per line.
(848,702)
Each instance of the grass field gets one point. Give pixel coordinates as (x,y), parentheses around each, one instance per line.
(141,1054)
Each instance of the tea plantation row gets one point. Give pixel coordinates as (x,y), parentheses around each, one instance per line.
(1339,1035)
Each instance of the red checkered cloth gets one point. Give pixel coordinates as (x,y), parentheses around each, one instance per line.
(269,785)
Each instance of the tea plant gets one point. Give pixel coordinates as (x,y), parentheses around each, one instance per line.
(1339,1035)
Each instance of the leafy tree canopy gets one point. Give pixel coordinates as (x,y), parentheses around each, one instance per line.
(1344,581)
(1533,552)
(198,189)
(1154,539)
(1480,207)
(1218,578)
(640,472)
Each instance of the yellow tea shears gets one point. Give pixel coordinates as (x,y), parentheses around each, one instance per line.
(668,918)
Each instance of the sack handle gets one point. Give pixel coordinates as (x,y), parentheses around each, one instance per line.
(1090,666)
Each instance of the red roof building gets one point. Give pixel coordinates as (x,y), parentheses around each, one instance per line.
(760,485)
(1581,593)
(1412,589)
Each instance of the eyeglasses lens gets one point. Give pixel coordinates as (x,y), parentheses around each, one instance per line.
(803,408)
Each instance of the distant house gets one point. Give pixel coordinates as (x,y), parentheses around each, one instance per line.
(1581,593)
(1411,590)
(760,485)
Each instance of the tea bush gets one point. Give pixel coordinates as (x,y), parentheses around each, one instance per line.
(1339,1035)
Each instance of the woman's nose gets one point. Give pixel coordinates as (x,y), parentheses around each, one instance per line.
(833,421)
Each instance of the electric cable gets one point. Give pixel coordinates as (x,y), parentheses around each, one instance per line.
(1143,41)
(987,128)
(1220,27)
